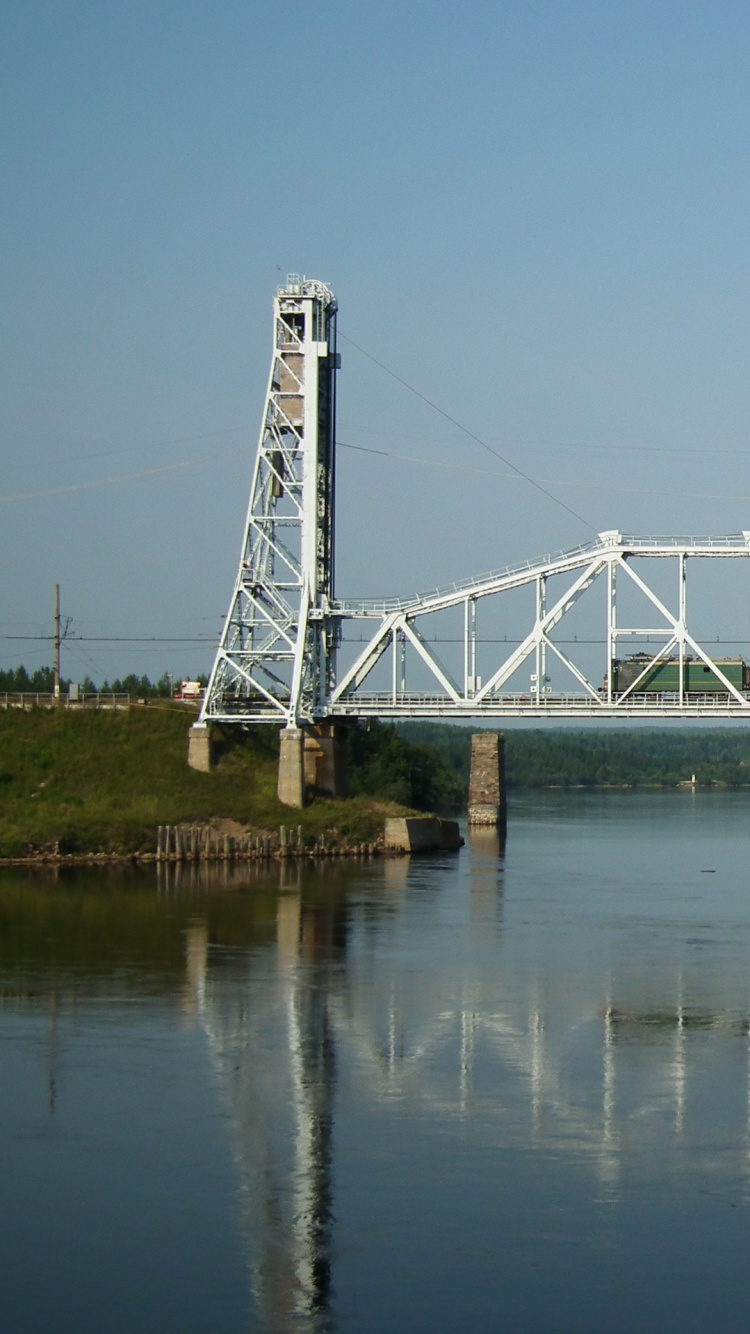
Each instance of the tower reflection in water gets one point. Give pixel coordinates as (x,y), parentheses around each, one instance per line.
(267,1013)
(408,982)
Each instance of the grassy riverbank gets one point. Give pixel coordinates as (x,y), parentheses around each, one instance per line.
(103,782)
(99,781)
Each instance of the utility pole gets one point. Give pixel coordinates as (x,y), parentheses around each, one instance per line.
(57,641)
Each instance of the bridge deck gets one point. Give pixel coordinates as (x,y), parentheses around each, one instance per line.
(416,706)
(522,706)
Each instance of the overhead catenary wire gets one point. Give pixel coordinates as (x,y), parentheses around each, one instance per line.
(86,659)
(702,450)
(527,442)
(471,434)
(556,481)
(111,481)
(128,449)
(516,474)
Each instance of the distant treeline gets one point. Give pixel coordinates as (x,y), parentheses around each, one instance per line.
(17,680)
(426,764)
(557,758)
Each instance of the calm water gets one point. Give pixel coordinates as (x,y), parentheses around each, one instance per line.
(475,1092)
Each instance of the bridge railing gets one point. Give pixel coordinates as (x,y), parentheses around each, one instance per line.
(668,702)
(723,542)
(732,542)
(382,606)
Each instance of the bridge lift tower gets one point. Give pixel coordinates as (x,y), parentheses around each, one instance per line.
(276,658)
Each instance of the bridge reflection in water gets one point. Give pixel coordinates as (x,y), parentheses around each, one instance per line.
(514,1087)
(393,991)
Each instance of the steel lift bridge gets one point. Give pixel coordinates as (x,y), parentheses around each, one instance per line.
(282,652)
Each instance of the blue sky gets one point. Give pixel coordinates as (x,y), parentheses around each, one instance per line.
(538,214)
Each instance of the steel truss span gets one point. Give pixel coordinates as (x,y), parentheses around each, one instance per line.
(279,659)
(607,558)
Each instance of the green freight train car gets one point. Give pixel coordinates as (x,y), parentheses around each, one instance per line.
(664,677)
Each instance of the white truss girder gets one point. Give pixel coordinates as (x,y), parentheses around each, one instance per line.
(277,659)
(609,554)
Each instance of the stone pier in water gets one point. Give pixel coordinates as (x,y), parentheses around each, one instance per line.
(487,782)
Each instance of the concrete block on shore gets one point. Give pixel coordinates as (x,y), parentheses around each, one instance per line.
(450,835)
(422,833)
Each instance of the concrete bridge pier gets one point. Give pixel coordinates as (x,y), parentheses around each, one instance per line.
(200,747)
(312,758)
(487,803)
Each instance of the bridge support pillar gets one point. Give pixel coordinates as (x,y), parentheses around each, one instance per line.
(200,748)
(291,785)
(487,780)
(325,760)
(312,759)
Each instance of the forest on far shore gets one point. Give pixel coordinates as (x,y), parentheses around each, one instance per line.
(542,757)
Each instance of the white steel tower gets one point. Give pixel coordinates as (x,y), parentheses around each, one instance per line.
(276,658)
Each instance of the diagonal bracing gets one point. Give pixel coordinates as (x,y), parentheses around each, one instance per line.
(281,656)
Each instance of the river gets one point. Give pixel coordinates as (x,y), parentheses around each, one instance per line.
(498,1090)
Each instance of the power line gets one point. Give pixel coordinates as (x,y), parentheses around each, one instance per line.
(87,661)
(111,481)
(706,451)
(113,453)
(702,450)
(557,481)
(478,440)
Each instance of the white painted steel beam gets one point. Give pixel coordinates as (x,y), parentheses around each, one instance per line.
(286,562)
(278,652)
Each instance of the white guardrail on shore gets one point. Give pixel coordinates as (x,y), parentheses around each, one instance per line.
(35,700)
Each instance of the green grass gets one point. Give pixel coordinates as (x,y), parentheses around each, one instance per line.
(104,782)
